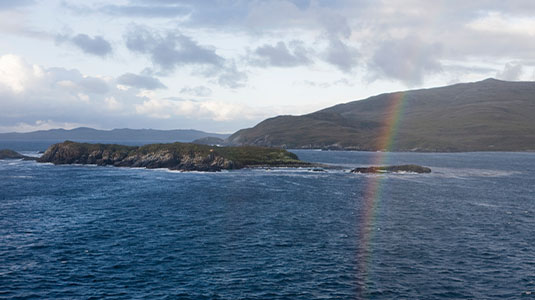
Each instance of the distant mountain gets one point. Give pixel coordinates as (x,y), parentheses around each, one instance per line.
(115,135)
(490,115)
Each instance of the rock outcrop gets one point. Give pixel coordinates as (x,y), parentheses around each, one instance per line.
(176,156)
(10,154)
(392,169)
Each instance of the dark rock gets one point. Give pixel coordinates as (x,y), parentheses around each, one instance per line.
(10,154)
(392,169)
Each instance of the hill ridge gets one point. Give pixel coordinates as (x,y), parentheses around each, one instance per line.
(488,115)
(115,135)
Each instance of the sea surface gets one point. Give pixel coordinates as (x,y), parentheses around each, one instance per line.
(465,231)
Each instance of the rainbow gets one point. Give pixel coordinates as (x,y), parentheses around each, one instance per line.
(372,193)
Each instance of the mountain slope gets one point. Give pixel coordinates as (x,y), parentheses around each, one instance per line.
(490,115)
(115,135)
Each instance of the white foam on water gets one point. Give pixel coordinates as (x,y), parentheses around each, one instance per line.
(470,172)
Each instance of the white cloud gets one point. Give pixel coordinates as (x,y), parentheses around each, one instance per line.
(16,74)
(83,97)
(499,23)
(511,72)
(112,103)
(213,110)
(30,94)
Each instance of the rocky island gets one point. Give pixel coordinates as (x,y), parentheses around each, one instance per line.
(174,156)
(393,169)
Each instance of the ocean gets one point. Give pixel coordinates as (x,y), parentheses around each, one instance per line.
(465,231)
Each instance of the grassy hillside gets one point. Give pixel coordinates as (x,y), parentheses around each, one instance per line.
(489,115)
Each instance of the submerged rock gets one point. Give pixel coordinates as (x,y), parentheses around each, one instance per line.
(392,169)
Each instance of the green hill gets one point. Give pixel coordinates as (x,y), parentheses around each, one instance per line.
(490,115)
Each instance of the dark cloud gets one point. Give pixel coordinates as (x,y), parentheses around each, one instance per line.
(171,50)
(407,60)
(140,81)
(96,45)
(281,56)
(199,91)
(341,55)
(92,45)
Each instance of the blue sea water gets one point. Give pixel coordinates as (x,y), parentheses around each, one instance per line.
(465,231)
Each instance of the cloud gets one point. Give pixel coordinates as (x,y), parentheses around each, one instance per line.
(407,59)
(35,97)
(92,45)
(510,72)
(10,4)
(172,50)
(15,74)
(150,11)
(341,55)
(199,91)
(214,110)
(231,77)
(281,56)
(94,85)
(499,23)
(30,93)
(140,81)
(338,52)
(339,82)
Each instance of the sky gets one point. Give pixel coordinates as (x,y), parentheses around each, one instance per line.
(223,65)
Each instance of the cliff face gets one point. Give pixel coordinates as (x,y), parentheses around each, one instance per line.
(176,156)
